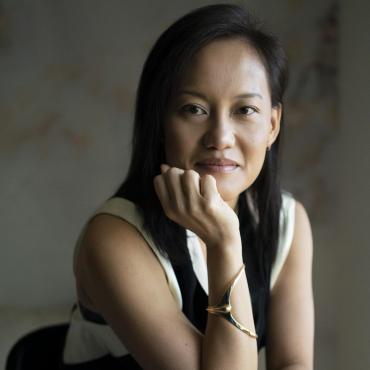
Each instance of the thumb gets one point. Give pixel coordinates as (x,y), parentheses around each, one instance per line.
(208,187)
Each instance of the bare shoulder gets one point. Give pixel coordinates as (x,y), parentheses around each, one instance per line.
(302,245)
(291,311)
(109,244)
(302,222)
(127,285)
(111,240)
(299,259)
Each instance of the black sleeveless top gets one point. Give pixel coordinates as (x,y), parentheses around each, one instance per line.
(194,302)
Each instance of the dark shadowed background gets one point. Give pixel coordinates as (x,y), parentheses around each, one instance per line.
(68,76)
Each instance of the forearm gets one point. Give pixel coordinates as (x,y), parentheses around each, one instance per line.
(224,345)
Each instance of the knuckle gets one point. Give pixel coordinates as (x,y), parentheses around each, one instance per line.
(209,178)
(174,171)
(191,173)
(189,177)
(210,207)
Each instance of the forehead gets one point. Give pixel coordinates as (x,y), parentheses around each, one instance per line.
(226,66)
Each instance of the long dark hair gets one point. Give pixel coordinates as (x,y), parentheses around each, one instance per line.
(171,53)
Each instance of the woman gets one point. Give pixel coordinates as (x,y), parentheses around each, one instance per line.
(159,267)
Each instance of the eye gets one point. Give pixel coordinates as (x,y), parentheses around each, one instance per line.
(247,110)
(193,109)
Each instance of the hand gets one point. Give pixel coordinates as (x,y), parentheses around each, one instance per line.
(195,203)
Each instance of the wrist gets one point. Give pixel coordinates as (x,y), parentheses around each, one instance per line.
(222,264)
(223,245)
(224,249)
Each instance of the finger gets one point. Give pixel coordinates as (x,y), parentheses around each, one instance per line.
(174,188)
(190,186)
(208,187)
(161,191)
(164,167)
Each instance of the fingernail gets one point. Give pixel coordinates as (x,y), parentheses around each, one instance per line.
(163,167)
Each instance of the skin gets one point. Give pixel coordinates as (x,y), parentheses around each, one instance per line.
(231,117)
(114,259)
(220,124)
(207,119)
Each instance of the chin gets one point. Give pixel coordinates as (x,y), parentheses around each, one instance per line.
(229,193)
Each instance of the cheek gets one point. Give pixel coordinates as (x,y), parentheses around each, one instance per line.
(178,145)
(255,136)
(253,148)
(253,142)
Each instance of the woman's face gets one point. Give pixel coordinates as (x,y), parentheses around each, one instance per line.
(220,120)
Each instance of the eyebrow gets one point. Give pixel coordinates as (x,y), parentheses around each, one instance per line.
(200,95)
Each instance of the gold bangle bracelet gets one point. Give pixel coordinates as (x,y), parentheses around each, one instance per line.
(224,307)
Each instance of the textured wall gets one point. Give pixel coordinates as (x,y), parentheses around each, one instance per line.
(351,251)
(68,75)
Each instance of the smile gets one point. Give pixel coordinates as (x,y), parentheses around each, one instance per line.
(216,168)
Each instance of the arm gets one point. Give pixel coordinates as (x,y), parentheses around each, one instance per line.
(195,203)
(225,346)
(290,339)
(128,287)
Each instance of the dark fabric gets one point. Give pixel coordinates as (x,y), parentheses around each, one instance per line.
(40,349)
(259,289)
(200,313)
(195,300)
(91,315)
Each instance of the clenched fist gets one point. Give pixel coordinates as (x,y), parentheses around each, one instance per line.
(195,203)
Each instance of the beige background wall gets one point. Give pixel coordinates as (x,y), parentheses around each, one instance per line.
(68,75)
(352,248)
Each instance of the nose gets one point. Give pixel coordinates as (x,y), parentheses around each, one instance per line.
(219,135)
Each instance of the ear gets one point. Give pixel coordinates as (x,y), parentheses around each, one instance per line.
(276,113)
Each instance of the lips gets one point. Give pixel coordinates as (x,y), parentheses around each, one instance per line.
(223,165)
(218,162)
